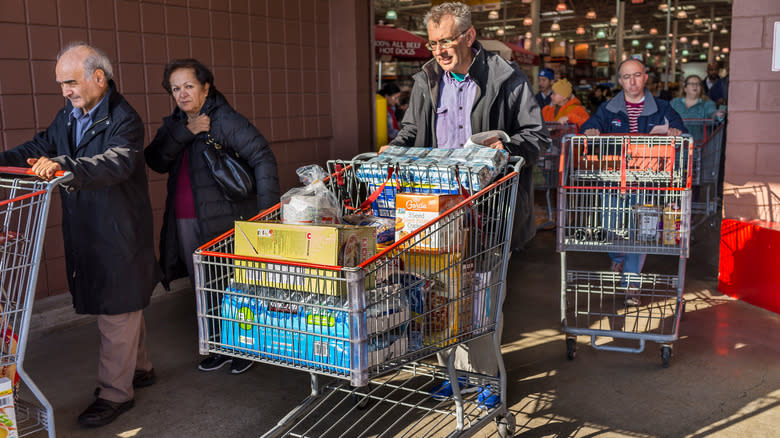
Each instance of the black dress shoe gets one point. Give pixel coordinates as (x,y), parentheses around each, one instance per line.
(142,379)
(102,412)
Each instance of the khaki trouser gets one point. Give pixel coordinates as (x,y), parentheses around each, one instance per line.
(122,351)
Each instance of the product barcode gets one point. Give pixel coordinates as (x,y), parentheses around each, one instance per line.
(321,348)
(6,400)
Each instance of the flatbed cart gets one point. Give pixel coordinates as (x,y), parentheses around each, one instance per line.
(24,210)
(546,171)
(368,328)
(708,140)
(626,195)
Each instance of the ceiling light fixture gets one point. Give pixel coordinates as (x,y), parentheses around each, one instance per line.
(662,48)
(527,21)
(705,44)
(649,45)
(580,30)
(591,15)
(561,6)
(613,21)
(695,42)
(716,48)
(683,39)
(601,34)
(698,22)
(529,35)
(493,15)
(555,27)
(391,14)
(500,31)
(653,31)
(682,15)
(636,27)
(635,43)
(725,50)
(550,39)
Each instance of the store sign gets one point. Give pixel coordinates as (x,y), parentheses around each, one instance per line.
(398,48)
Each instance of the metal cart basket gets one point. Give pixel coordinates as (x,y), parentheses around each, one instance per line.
(546,170)
(624,195)
(433,289)
(24,209)
(708,137)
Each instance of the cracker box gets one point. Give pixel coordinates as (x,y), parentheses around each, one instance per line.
(331,245)
(413,210)
(8,427)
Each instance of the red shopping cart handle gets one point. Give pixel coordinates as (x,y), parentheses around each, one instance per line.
(25,171)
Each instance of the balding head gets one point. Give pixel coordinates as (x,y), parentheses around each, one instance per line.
(82,73)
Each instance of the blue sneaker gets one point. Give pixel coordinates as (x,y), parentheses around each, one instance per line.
(487,399)
(443,390)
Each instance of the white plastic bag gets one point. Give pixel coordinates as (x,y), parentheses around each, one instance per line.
(313,203)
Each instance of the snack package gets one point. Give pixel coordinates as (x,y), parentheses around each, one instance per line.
(417,152)
(313,203)
(385,227)
(396,151)
(496,159)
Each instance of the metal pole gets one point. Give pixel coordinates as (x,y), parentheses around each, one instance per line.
(668,30)
(619,35)
(535,16)
(710,58)
(674,44)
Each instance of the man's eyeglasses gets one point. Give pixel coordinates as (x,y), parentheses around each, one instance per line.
(445,43)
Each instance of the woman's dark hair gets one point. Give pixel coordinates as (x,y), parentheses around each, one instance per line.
(389,89)
(202,73)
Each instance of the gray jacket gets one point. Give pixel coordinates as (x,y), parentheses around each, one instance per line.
(505,101)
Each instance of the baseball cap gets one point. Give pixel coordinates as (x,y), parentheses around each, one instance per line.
(547,73)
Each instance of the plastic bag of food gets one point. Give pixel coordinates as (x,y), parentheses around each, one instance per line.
(313,203)
(385,227)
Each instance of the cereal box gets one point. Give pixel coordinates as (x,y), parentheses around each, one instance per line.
(413,210)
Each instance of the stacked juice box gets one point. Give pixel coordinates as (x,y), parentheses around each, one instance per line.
(426,170)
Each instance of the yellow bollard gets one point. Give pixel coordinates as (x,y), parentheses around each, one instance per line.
(381,121)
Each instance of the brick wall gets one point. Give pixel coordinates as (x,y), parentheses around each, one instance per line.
(279,63)
(752,172)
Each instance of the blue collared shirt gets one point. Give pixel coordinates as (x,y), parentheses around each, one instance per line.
(84,121)
(453,113)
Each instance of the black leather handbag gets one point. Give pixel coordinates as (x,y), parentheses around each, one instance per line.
(233,175)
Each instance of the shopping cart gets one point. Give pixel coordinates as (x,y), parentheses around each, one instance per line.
(624,194)
(23,212)
(546,170)
(368,327)
(708,136)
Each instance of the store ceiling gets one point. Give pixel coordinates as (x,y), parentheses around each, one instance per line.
(701,15)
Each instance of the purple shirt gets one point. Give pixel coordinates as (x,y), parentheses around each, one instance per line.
(453,113)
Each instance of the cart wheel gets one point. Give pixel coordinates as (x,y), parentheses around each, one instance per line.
(571,348)
(666,354)
(506,425)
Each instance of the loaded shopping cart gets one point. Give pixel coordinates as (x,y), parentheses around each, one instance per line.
(369,328)
(708,141)
(546,170)
(24,209)
(627,195)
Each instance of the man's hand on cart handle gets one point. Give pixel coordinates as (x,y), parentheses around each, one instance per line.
(44,168)
(592,131)
(674,132)
(382,148)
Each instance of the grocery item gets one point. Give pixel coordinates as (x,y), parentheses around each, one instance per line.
(8,426)
(413,210)
(385,227)
(671,230)
(647,218)
(331,245)
(313,203)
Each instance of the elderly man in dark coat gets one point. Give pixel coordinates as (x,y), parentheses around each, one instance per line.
(106,219)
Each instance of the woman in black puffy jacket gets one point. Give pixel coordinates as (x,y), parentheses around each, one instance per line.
(196,210)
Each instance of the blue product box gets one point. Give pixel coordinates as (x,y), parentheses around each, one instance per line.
(247,336)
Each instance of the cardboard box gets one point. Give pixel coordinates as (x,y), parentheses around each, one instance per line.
(332,245)
(8,426)
(413,210)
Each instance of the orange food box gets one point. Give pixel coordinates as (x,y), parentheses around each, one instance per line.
(413,210)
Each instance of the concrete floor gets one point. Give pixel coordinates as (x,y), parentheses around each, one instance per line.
(724,378)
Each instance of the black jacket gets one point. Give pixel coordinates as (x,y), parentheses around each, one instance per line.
(106,214)
(504,101)
(215,213)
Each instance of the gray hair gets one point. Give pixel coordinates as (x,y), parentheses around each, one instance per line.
(460,11)
(96,59)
